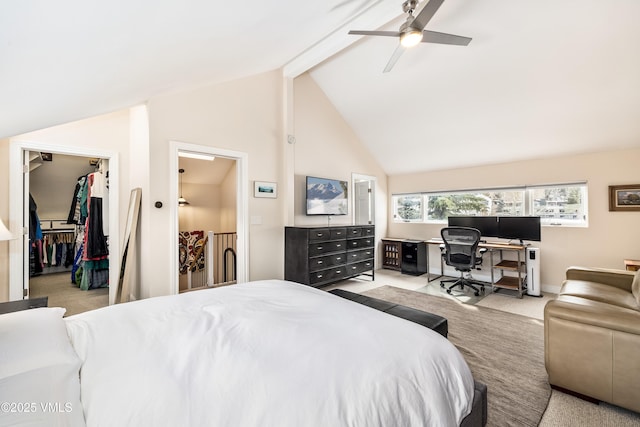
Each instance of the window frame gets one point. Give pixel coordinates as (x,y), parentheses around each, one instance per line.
(528,202)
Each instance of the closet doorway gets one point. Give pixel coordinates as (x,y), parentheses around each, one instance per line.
(50,259)
(210,188)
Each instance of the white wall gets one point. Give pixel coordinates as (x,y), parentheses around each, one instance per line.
(109,132)
(242,115)
(610,238)
(327,147)
(228,200)
(52,184)
(203,210)
(4,215)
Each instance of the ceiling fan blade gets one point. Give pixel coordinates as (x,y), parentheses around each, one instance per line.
(375,33)
(443,38)
(426,14)
(394,58)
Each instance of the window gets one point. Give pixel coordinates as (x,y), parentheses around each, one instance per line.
(561,204)
(408,208)
(476,203)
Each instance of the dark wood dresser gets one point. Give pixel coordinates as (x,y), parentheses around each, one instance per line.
(318,256)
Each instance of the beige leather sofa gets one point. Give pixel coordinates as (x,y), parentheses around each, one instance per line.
(592,336)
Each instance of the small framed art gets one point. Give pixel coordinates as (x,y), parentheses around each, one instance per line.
(624,197)
(265,189)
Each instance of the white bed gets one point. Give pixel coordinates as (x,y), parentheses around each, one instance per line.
(265,353)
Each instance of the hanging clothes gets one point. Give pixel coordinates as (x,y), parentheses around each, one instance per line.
(35,239)
(91,261)
(95,266)
(96,242)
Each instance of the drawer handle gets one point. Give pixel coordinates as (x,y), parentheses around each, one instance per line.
(338,245)
(320,262)
(319,276)
(338,233)
(338,271)
(338,258)
(353,268)
(354,255)
(319,248)
(355,232)
(319,234)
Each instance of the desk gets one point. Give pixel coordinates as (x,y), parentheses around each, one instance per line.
(514,283)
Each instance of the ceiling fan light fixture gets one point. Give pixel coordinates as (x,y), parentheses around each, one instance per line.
(410,38)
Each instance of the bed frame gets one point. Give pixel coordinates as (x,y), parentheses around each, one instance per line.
(478,415)
(25,304)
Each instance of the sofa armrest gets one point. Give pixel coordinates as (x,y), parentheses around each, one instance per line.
(619,278)
(593,313)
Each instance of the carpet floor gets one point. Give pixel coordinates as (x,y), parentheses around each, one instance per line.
(63,293)
(510,363)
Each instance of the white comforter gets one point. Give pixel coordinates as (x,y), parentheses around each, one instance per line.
(265,353)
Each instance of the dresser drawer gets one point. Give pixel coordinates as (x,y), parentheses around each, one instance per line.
(354,231)
(323,262)
(329,274)
(337,233)
(360,255)
(368,231)
(327,247)
(316,234)
(364,242)
(359,267)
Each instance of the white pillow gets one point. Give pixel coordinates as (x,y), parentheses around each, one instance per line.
(39,370)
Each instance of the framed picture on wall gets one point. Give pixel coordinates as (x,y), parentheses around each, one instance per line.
(624,197)
(265,189)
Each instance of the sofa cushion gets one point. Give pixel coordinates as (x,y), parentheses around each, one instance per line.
(599,292)
(635,287)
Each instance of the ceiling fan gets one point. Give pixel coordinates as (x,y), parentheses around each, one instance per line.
(412,30)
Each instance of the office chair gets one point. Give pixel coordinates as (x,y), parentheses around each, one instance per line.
(461,252)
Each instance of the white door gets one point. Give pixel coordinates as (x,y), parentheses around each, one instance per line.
(27,158)
(363,199)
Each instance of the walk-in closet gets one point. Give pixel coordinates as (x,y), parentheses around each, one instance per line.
(69,230)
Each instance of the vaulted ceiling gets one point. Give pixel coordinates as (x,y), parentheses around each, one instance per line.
(539,78)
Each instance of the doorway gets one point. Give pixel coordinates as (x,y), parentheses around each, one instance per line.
(363,199)
(213,197)
(59,164)
(207,221)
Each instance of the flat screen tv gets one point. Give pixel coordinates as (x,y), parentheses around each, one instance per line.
(520,227)
(488,225)
(326,196)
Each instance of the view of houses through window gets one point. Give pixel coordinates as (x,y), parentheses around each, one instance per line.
(562,204)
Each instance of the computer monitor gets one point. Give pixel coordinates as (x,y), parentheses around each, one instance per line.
(488,225)
(519,227)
